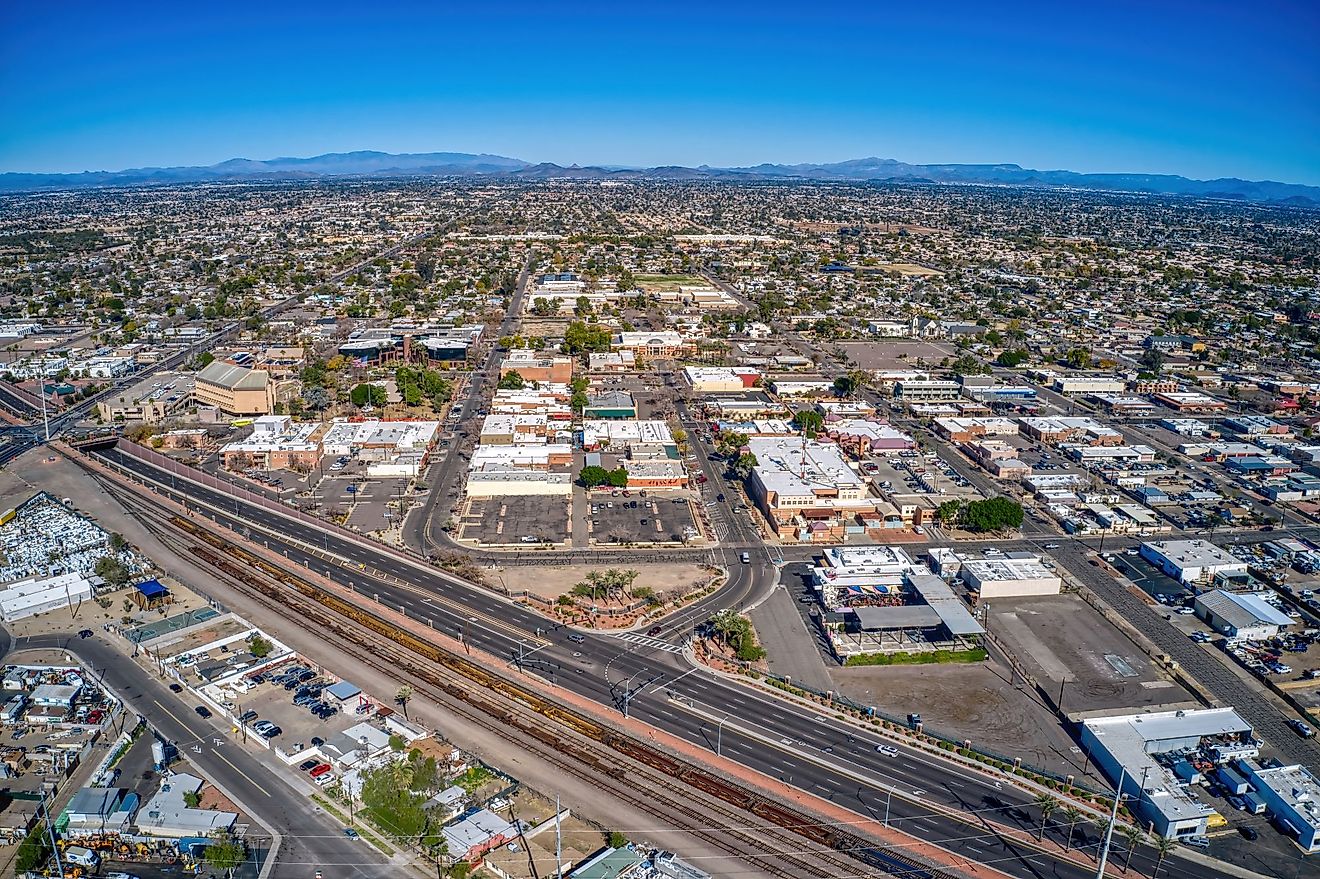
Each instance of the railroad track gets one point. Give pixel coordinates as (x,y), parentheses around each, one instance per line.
(525,717)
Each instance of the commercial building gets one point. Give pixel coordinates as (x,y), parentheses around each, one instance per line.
(168,815)
(1292,794)
(664,343)
(389,448)
(276,442)
(864,436)
(1189,401)
(1084,431)
(926,390)
(720,379)
(1240,614)
(962,430)
(1141,749)
(535,366)
(609,433)
(614,404)
(1192,561)
(235,390)
(1009,577)
(1089,384)
(805,488)
(150,401)
(42,594)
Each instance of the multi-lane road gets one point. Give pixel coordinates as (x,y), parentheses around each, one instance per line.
(923,794)
(310,839)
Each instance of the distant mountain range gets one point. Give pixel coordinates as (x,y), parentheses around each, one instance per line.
(378,164)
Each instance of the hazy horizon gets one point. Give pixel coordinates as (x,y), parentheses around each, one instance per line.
(1198,90)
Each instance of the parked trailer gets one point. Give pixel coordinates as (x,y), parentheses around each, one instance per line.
(1254,804)
(1230,779)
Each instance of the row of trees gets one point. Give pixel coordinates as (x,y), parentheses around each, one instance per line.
(994,514)
(1073,816)
(416,385)
(736,632)
(611,583)
(594,477)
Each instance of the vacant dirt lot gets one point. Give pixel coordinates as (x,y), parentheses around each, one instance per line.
(976,702)
(554,581)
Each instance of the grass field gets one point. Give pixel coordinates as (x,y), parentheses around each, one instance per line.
(662,282)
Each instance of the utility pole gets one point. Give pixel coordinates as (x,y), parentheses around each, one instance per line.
(559,842)
(1113,818)
(50,831)
(719,737)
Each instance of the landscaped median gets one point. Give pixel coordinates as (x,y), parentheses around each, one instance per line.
(902,657)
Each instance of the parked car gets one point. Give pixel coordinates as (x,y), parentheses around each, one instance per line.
(307,765)
(202,711)
(176,688)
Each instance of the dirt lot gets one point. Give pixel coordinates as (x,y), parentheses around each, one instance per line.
(976,702)
(1061,638)
(551,582)
(886,354)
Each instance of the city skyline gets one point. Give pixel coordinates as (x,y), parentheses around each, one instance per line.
(1217,92)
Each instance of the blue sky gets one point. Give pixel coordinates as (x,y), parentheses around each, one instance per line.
(1204,89)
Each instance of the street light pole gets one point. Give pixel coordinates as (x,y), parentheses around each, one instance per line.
(1113,818)
(719,737)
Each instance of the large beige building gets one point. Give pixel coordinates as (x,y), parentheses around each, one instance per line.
(234,389)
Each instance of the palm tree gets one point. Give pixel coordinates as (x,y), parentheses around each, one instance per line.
(1133,836)
(1071,815)
(1163,845)
(1047,804)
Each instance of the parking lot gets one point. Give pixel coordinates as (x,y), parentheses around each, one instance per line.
(1147,577)
(1063,642)
(918,477)
(517,519)
(637,519)
(273,702)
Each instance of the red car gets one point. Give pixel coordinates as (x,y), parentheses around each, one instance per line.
(319,770)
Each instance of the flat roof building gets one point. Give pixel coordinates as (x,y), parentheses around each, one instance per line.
(1192,561)
(1128,746)
(1292,794)
(1009,577)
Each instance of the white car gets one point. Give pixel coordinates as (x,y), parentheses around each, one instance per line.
(887,750)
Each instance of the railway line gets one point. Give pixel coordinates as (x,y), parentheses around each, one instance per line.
(964,812)
(804,847)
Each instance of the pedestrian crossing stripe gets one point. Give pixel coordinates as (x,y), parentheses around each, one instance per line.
(634,638)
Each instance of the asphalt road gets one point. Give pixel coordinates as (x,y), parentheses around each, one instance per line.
(311,839)
(764,733)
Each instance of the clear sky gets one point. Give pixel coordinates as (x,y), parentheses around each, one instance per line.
(1204,89)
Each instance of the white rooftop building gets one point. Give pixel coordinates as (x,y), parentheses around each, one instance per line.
(1127,746)
(1192,561)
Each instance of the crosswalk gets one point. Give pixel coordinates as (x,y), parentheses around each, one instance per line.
(645,641)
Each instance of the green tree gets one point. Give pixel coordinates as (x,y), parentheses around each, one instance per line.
(743,465)
(224,852)
(592,476)
(1163,848)
(192,799)
(32,853)
(581,337)
(260,647)
(1071,815)
(1133,836)
(117,541)
(403,697)
(112,571)
(947,512)
(1011,358)
(619,477)
(1079,358)
(626,281)
(366,394)
(810,422)
(1046,804)
(617,839)
(512,381)
(994,514)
